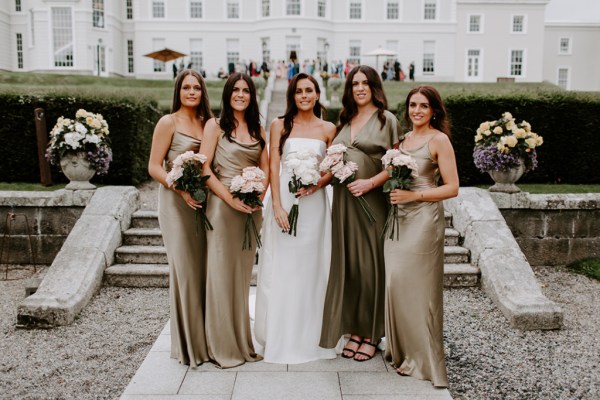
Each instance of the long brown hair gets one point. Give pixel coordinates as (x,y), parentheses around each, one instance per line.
(439,119)
(292,109)
(378,98)
(203,110)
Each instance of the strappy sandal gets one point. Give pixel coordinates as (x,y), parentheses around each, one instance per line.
(350,350)
(369,356)
(401,372)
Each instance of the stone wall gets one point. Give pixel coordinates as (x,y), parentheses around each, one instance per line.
(553,229)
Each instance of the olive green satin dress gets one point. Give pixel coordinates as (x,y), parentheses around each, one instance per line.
(354,302)
(414,272)
(229,267)
(186,254)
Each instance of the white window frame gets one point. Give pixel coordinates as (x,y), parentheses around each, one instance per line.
(18,6)
(261,8)
(128,6)
(362,10)
(293,42)
(324,6)
(239,4)
(480,31)
(31,29)
(51,36)
(429,73)
(512,24)
(479,76)
(437,10)
(560,48)
(201,9)
(19,48)
(265,50)
(101,13)
(523,63)
(196,52)
(159,44)
(130,56)
(164,2)
(568,84)
(285,9)
(353,44)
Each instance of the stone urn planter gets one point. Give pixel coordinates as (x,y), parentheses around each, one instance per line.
(77,168)
(505,180)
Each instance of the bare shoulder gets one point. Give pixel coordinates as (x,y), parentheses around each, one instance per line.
(329,129)
(441,141)
(165,125)
(212,127)
(276,124)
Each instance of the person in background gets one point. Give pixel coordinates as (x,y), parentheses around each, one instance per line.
(174,70)
(411,71)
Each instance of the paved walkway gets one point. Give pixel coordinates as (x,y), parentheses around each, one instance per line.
(163,378)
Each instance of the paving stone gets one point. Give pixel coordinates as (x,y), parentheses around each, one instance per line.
(286,385)
(200,382)
(158,374)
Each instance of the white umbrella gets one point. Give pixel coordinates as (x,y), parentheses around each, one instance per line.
(378,52)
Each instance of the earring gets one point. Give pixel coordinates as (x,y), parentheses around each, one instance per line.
(433,117)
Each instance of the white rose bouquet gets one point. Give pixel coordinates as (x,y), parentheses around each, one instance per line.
(87,133)
(248,187)
(402,168)
(342,171)
(186,175)
(304,167)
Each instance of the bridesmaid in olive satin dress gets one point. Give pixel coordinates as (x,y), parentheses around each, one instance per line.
(414,264)
(176,133)
(232,142)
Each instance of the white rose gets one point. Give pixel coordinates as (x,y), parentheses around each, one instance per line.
(511,141)
(336,149)
(497,130)
(79,127)
(91,139)
(531,142)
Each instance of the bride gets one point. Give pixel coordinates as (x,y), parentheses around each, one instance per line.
(293,270)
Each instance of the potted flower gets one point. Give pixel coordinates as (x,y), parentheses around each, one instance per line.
(506,149)
(81,147)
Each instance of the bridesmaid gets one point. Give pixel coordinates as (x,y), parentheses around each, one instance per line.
(232,142)
(355,293)
(176,133)
(414,264)
(293,270)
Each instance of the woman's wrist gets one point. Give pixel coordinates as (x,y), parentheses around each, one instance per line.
(372,182)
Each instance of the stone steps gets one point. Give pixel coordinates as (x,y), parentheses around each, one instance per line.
(142,260)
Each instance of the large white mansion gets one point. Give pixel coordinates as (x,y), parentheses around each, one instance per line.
(448,40)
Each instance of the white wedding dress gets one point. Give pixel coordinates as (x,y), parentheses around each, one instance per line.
(293,273)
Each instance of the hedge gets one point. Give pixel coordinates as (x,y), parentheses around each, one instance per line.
(130,119)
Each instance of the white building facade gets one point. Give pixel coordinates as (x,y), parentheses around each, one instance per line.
(448,40)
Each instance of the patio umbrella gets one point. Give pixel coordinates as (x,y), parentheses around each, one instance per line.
(378,52)
(165,55)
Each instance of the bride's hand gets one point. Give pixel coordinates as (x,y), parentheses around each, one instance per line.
(303,192)
(281,217)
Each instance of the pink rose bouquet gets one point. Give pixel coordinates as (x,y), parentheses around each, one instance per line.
(248,187)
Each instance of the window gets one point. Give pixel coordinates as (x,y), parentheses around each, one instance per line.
(564,46)
(516,63)
(354,52)
(563,78)
(158,9)
(292,7)
(475,24)
(266,8)
(19,50)
(473,63)
(428,57)
(393,9)
(18,6)
(518,24)
(196,57)
(233,51)
(266,49)
(195,9)
(292,43)
(31,29)
(321,8)
(62,36)
(130,56)
(129,9)
(158,44)
(233,9)
(98,13)
(429,9)
(355,9)
(322,48)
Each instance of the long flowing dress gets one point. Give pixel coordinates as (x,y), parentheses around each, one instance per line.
(355,292)
(229,268)
(186,254)
(414,268)
(292,274)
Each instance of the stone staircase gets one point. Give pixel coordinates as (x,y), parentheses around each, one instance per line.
(142,260)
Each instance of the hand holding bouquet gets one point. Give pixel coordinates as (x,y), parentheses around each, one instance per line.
(186,175)
(402,168)
(342,171)
(304,167)
(248,187)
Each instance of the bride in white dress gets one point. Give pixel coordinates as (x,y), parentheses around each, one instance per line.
(293,270)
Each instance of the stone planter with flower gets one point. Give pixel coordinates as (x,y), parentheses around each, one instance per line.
(506,149)
(81,148)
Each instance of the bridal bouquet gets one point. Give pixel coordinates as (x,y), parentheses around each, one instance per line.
(304,167)
(248,187)
(186,175)
(342,170)
(402,168)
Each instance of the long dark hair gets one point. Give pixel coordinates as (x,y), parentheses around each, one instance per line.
(203,109)
(227,120)
(377,96)
(292,109)
(439,119)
